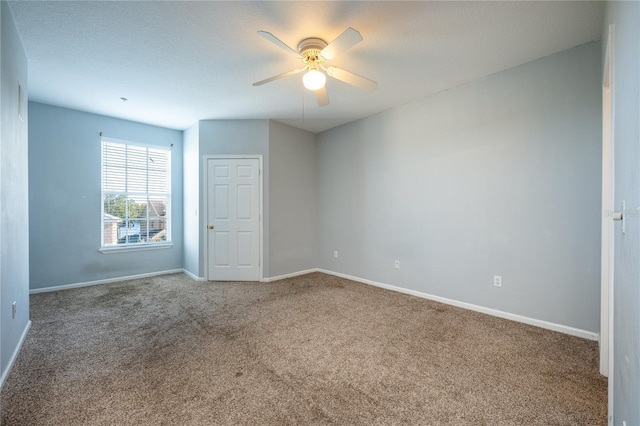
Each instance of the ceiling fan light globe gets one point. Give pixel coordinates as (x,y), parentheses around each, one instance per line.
(314,80)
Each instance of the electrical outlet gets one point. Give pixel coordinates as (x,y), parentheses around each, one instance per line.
(335,253)
(397,264)
(13,310)
(497,281)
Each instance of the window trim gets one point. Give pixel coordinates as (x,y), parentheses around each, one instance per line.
(119,248)
(133,247)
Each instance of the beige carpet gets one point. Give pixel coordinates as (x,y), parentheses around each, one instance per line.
(314,349)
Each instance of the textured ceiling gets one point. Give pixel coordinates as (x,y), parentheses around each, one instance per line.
(179,62)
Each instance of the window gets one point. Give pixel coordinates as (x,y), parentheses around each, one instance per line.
(136,195)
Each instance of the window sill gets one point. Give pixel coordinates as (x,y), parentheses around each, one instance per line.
(141,247)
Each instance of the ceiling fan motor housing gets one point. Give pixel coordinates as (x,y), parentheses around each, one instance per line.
(310,49)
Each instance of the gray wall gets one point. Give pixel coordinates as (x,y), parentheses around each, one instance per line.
(191,196)
(14,219)
(626,296)
(64,199)
(292,201)
(496,177)
(236,137)
(288,189)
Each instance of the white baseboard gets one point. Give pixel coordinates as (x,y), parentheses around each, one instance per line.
(193,276)
(496,313)
(292,274)
(14,356)
(501,314)
(105,281)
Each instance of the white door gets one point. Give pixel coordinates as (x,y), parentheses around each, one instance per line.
(233,215)
(608,236)
(608,191)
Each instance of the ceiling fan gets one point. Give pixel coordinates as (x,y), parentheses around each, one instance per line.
(314,54)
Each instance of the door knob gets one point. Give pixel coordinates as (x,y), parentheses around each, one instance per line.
(211,226)
(620,216)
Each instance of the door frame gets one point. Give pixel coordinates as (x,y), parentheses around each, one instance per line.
(608,202)
(205,216)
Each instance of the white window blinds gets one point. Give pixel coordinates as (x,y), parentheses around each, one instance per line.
(136,194)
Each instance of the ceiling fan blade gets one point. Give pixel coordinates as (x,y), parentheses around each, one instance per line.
(352,79)
(276,77)
(343,42)
(322,97)
(275,40)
